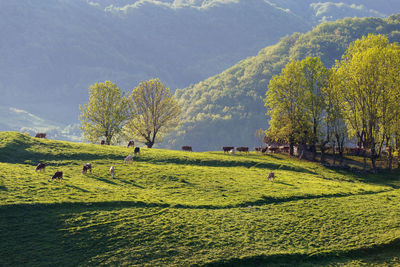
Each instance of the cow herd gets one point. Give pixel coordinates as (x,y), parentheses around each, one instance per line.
(242,149)
(87,167)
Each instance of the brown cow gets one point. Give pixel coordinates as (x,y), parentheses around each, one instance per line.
(226,149)
(187,148)
(258,149)
(271,176)
(87,167)
(40,135)
(243,149)
(41,166)
(284,149)
(57,175)
(131,143)
(273,149)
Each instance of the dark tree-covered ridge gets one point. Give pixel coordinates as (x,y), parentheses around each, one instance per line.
(228,108)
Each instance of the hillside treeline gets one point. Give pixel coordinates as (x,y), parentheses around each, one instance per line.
(359,97)
(228,108)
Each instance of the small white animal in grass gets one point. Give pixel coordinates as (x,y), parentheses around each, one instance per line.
(232,151)
(271,176)
(112,171)
(128,159)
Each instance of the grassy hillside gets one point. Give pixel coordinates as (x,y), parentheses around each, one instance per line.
(181,208)
(230,105)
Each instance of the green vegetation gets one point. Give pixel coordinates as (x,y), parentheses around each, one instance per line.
(182,208)
(150,112)
(105,114)
(307,102)
(154,112)
(230,105)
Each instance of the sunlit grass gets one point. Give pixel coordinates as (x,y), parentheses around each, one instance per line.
(182,208)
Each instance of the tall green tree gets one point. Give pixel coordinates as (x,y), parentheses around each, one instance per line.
(368,87)
(105,114)
(315,76)
(155,111)
(285,101)
(335,126)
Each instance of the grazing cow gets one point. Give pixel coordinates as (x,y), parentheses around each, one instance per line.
(187,148)
(128,159)
(284,149)
(271,176)
(273,149)
(41,166)
(57,175)
(227,149)
(264,150)
(112,171)
(131,143)
(40,135)
(87,167)
(136,151)
(242,149)
(102,142)
(258,149)
(232,152)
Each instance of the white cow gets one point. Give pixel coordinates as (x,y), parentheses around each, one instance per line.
(112,171)
(128,159)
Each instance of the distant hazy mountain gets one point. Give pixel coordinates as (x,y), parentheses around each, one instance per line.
(52,50)
(14,119)
(228,108)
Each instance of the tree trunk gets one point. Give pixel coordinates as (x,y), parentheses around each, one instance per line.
(322,153)
(108,138)
(390,160)
(365,160)
(334,154)
(149,144)
(314,144)
(314,151)
(291,148)
(373,159)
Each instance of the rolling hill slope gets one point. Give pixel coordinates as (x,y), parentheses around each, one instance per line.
(179,208)
(228,108)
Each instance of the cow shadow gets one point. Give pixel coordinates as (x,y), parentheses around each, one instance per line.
(128,182)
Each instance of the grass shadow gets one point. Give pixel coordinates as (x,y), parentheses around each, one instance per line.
(129,183)
(383,177)
(223,163)
(319,259)
(280,182)
(36,238)
(103,180)
(77,188)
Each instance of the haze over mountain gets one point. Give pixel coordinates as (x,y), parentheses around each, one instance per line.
(54,49)
(228,108)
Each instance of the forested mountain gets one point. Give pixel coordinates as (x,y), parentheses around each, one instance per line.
(228,108)
(52,50)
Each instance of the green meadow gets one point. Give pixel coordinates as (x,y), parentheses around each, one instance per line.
(173,208)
